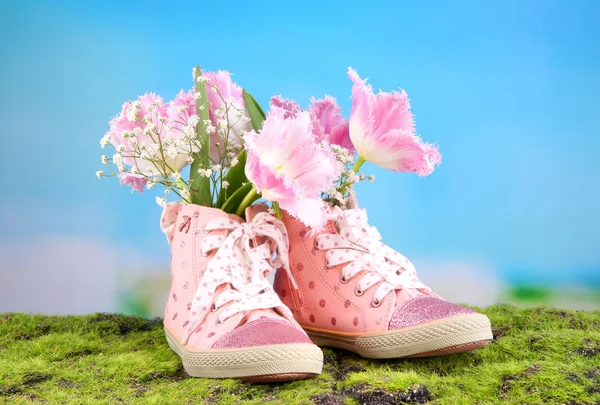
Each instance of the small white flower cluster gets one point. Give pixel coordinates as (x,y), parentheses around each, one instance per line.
(344,187)
(163,143)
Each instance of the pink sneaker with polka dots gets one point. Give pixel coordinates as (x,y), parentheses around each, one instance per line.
(358,294)
(222,317)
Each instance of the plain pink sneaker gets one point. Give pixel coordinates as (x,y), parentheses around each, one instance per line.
(223,318)
(358,294)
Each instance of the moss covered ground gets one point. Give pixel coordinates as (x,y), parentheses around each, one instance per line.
(538,356)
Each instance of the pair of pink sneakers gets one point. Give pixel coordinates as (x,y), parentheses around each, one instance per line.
(341,288)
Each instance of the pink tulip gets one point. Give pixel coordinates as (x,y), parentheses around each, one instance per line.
(287,166)
(382,131)
(229,99)
(327,123)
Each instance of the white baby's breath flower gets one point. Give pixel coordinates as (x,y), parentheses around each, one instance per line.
(223,124)
(205,172)
(167,191)
(176,175)
(172,152)
(189,131)
(234,161)
(197,95)
(189,159)
(371,178)
(225,185)
(117,159)
(105,141)
(216,168)
(161,201)
(193,120)
(150,184)
(104,160)
(132,113)
(99,173)
(185,193)
(353,177)
(202,79)
(121,148)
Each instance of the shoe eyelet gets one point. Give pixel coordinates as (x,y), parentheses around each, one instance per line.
(343,279)
(358,292)
(206,231)
(213,308)
(316,244)
(219,322)
(375,303)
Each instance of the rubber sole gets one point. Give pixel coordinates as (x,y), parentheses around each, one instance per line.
(445,336)
(274,363)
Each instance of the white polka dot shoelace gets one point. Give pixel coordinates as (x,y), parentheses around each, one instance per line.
(358,245)
(238,262)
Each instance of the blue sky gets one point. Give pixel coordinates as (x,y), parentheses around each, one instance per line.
(508,89)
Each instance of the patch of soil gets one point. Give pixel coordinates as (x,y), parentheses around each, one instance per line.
(508,381)
(590,348)
(593,373)
(329,399)
(79,353)
(122,324)
(340,368)
(498,332)
(34,378)
(418,394)
(64,383)
(38,331)
(139,389)
(177,375)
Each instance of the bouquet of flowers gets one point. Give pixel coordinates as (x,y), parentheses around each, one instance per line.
(301,161)
(336,283)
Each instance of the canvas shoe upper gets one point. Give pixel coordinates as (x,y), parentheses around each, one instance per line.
(222,316)
(357,293)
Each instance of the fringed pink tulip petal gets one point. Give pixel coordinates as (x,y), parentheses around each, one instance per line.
(382,130)
(330,125)
(287,166)
(290,107)
(310,210)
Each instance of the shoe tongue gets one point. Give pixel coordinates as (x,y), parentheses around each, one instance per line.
(407,294)
(254,210)
(260,313)
(351,203)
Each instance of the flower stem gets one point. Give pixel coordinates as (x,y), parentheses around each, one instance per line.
(246,201)
(358,164)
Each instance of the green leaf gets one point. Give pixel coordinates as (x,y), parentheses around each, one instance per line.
(199,185)
(233,203)
(256,114)
(235,176)
(277,209)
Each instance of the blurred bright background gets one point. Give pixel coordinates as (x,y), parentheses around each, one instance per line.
(508,89)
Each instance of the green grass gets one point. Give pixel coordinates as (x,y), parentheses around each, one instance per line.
(539,356)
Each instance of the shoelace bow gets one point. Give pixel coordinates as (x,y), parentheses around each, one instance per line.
(244,266)
(358,245)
